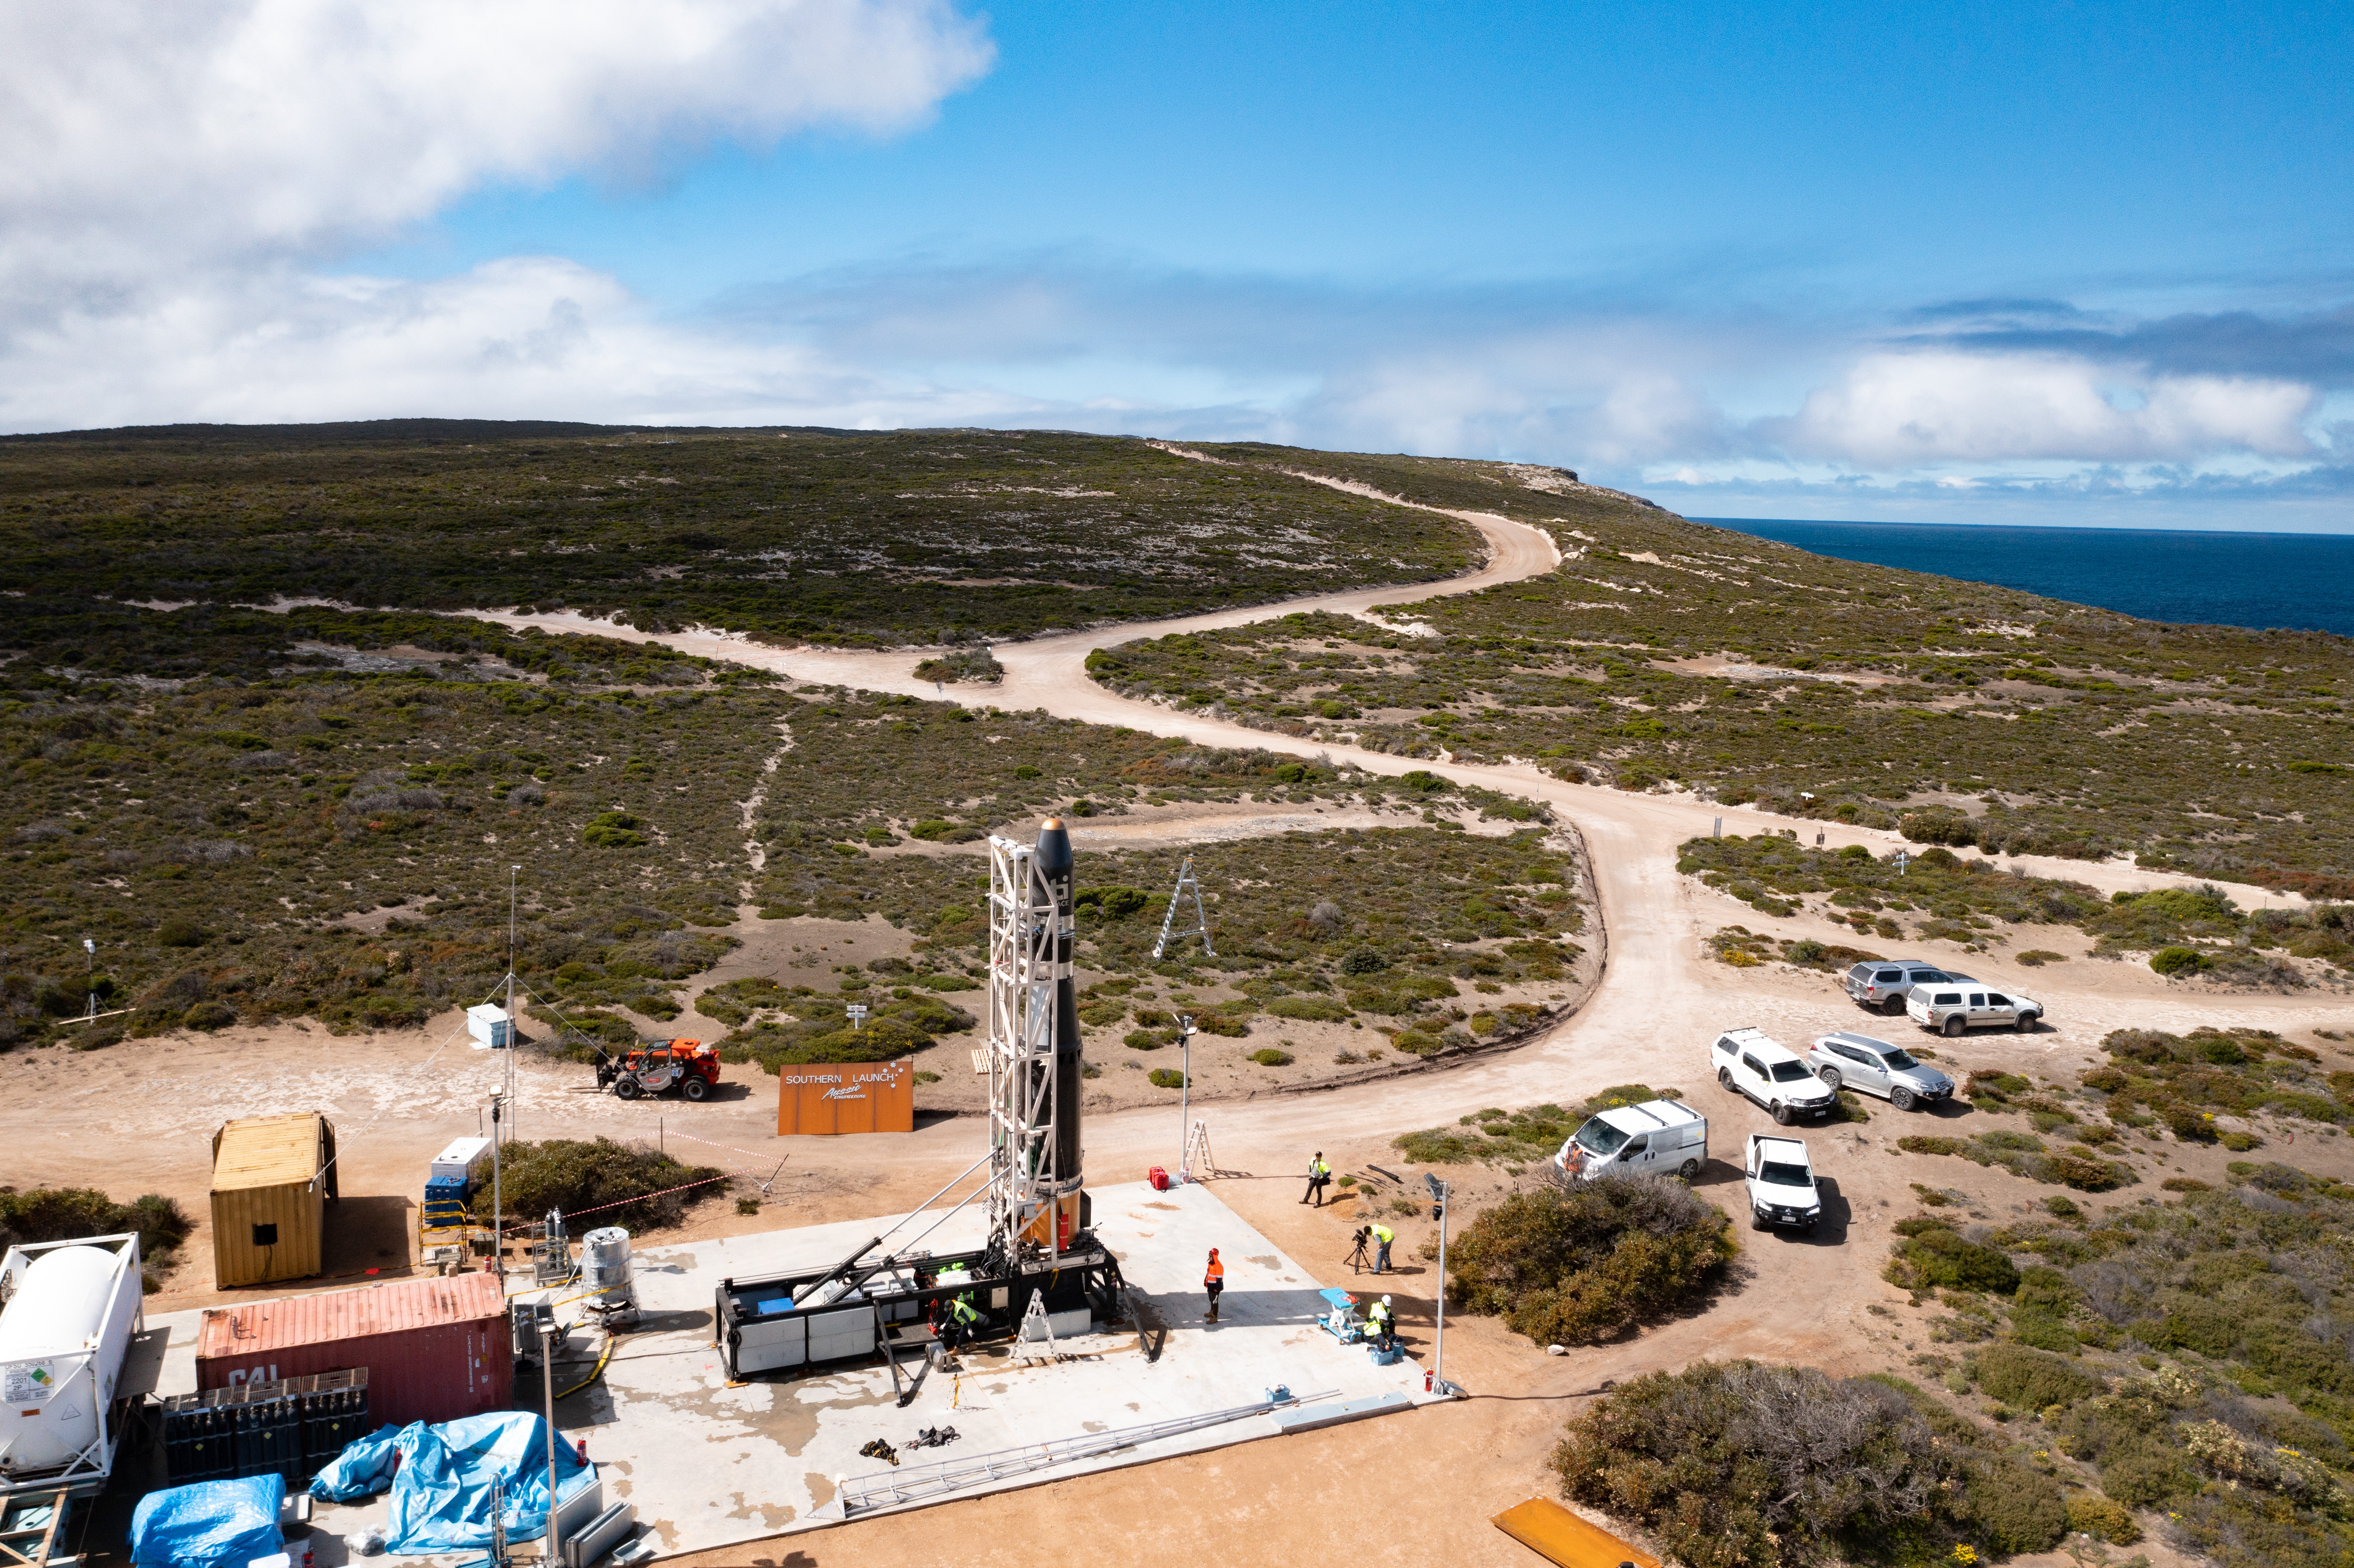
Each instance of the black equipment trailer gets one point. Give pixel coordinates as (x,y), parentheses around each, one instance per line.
(767,1323)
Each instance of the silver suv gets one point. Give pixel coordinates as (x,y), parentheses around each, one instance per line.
(1885,983)
(1876,1067)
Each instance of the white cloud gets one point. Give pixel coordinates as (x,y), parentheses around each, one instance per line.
(526,338)
(149,142)
(1918,410)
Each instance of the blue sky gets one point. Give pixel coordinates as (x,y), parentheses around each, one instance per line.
(2048,263)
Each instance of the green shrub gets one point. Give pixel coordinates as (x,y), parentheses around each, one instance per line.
(2031,1379)
(1735,1465)
(1271,1057)
(2101,1518)
(1362,961)
(613,830)
(1166,1078)
(2144,1476)
(2016,1509)
(622,1183)
(208,1015)
(2036,958)
(179,933)
(1935,1257)
(1308,1008)
(2173,961)
(1571,1267)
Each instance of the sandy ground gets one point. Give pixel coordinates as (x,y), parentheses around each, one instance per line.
(1408,1490)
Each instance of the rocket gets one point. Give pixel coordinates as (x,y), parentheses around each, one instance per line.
(1053,863)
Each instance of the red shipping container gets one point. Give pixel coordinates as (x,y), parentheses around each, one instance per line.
(435,1349)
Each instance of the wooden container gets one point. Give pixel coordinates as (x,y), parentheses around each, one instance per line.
(828,1097)
(272,1176)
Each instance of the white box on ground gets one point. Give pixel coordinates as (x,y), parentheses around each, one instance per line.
(490,1026)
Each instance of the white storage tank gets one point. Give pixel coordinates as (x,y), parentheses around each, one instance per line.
(73,1309)
(605,1267)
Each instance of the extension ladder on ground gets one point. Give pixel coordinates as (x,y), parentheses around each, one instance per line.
(916,1483)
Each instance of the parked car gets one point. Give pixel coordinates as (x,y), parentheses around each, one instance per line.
(1752,1063)
(1653,1139)
(1970,1004)
(1876,1067)
(1781,1183)
(1885,983)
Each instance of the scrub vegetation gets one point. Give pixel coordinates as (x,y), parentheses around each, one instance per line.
(1405,930)
(2188,1357)
(931,536)
(313,815)
(1573,1266)
(1735,1465)
(1939,895)
(620,1183)
(1666,654)
(258,834)
(70,1214)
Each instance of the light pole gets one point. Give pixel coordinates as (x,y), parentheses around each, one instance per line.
(547,1380)
(1185,1096)
(1439,1382)
(90,948)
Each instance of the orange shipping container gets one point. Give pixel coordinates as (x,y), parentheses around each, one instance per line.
(847,1096)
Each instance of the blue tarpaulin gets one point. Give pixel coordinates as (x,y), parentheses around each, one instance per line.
(441,1492)
(363,1469)
(212,1524)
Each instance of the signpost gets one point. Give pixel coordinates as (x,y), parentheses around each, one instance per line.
(857,1010)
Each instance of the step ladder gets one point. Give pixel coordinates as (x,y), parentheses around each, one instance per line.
(1201,926)
(1199,1163)
(1036,1337)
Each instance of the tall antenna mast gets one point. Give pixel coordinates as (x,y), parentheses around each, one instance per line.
(1201,926)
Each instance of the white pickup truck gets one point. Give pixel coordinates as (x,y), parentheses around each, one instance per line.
(1781,1183)
(1658,1138)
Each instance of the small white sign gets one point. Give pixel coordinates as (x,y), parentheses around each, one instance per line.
(857,1010)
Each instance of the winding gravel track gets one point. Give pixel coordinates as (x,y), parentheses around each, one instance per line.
(1659,999)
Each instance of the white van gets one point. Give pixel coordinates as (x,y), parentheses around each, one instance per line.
(1658,1138)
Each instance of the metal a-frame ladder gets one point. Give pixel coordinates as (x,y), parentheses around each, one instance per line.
(1036,1337)
(1201,926)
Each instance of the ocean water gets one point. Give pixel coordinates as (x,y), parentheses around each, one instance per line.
(2303,581)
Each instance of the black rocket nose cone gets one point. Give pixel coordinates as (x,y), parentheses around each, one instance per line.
(1053,847)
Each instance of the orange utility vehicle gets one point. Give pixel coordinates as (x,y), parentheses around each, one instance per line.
(687,1065)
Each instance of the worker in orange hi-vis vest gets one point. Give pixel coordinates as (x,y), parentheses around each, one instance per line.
(1214,1281)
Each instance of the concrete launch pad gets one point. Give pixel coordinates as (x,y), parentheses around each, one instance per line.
(710,1465)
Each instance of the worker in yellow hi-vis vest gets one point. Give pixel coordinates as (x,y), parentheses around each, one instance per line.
(1318,1173)
(1383,1237)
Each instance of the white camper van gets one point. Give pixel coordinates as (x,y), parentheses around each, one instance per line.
(1658,1138)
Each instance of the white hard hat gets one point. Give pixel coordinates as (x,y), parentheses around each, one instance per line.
(1385,1300)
